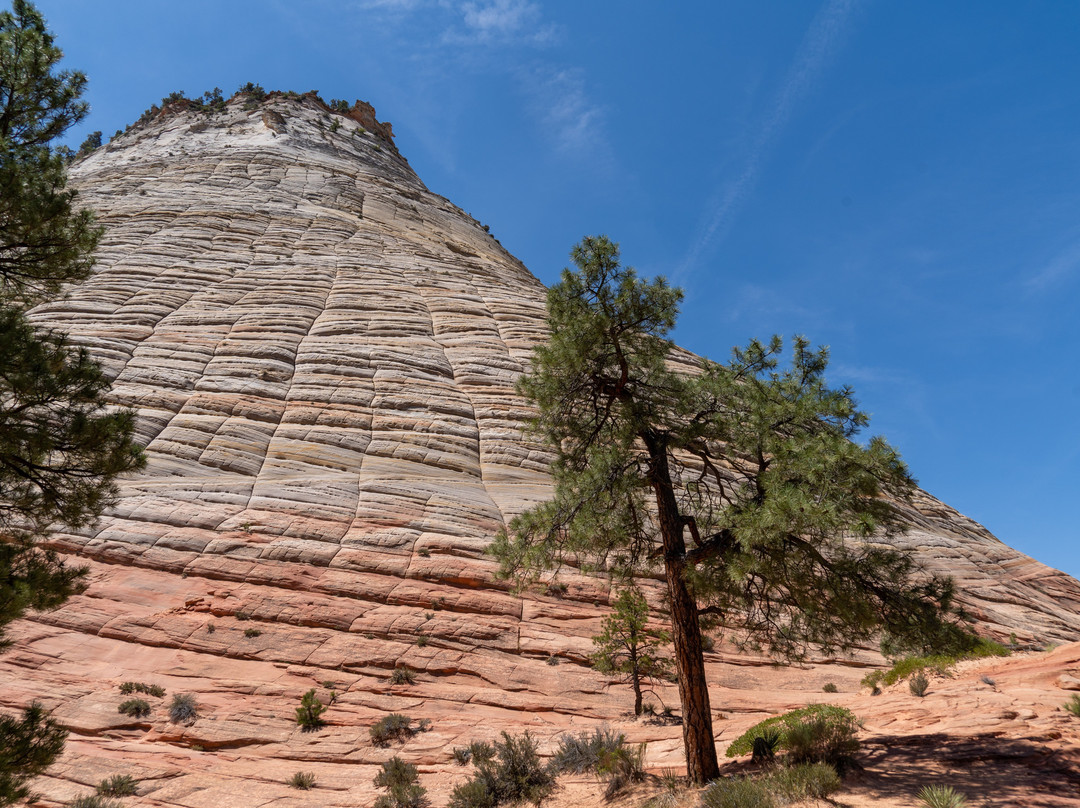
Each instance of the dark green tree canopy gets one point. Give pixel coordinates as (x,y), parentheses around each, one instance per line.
(44,241)
(742,481)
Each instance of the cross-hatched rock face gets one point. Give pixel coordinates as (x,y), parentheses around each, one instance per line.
(322,354)
(321,351)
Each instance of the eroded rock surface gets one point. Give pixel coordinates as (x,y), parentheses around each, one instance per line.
(322,354)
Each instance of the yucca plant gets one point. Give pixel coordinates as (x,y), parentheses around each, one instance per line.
(942,797)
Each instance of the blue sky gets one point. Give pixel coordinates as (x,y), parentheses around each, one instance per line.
(900,181)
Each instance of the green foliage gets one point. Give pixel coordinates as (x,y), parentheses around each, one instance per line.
(817,732)
(830,687)
(304,781)
(28,746)
(119,785)
(603,752)
(339,105)
(764,746)
(736,792)
(93,141)
(803,781)
(461,755)
(183,709)
(481,751)
(939,663)
(918,684)
(403,676)
(252,632)
(393,727)
(627,647)
(400,781)
(757,465)
(94,801)
(309,713)
(514,775)
(136,708)
(127,688)
(254,91)
(1073,705)
(942,797)
(422,640)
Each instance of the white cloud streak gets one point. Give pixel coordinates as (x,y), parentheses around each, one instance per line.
(1057,269)
(818,44)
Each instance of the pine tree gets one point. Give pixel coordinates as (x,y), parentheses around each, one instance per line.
(628,647)
(61,447)
(741,481)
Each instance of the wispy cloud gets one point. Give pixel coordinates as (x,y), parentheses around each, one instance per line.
(498,22)
(562,103)
(818,44)
(1058,269)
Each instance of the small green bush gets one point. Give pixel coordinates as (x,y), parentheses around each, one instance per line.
(764,746)
(829,714)
(918,684)
(942,797)
(1073,705)
(400,781)
(513,776)
(304,781)
(94,801)
(830,688)
(242,616)
(309,713)
(939,663)
(128,688)
(603,752)
(403,676)
(422,640)
(183,709)
(393,727)
(481,751)
(136,708)
(119,785)
(461,755)
(251,632)
(803,781)
(736,792)
(822,738)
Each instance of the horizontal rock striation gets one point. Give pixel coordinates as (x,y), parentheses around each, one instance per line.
(322,354)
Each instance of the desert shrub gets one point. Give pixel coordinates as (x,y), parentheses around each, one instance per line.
(830,688)
(802,781)
(472,794)
(942,797)
(403,676)
(400,781)
(461,755)
(309,713)
(481,751)
(183,708)
(513,775)
(583,752)
(255,91)
(918,684)
(393,727)
(830,727)
(304,781)
(552,660)
(986,680)
(822,738)
(764,746)
(736,792)
(1073,705)
(119,785)
(94,801)
(422,640)
(251,632)
(603,752)
(136,708)
(242,616)
(128,688)
(904,667)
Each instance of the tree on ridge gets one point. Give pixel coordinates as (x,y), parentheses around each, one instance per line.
(741,481)
(61,447)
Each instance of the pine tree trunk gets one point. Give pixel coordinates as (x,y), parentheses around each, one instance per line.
(635,681)
(701,763)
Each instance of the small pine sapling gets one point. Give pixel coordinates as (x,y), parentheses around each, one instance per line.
(627,647)
(309,713)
